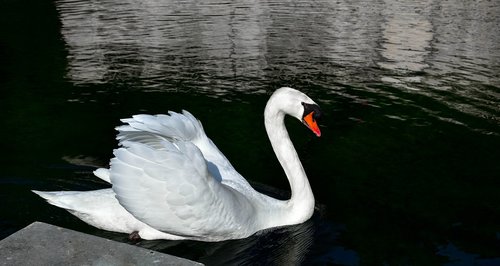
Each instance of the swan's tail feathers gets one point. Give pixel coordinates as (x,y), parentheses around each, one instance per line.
(148,129)
(103,174)
(55,198)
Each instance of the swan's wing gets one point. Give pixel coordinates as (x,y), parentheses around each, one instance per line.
(173,126)
(151,130)
(103,174)
(168,186)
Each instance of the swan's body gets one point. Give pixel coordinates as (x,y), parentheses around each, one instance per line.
(170,181)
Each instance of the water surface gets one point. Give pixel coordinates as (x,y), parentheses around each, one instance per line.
(407,169)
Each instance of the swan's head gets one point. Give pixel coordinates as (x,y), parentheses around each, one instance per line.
(298,105)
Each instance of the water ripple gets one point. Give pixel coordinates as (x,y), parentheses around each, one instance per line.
(447,51)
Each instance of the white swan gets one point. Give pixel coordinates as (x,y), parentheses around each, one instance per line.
(169,180)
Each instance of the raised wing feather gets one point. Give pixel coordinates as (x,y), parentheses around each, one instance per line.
(171,189)
(152,130)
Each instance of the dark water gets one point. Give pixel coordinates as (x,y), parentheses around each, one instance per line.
(407,171)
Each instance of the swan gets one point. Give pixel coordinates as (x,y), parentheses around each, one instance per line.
(170,181)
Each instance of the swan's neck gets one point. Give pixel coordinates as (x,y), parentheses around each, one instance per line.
(300,206)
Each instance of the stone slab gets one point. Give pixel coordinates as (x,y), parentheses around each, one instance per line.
(45,244)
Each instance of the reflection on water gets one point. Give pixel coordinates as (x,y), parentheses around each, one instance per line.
(446,50)
(458,257)
(407,37)
(284,246)
(161,44)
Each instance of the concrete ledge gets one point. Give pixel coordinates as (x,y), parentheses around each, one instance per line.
(45,244)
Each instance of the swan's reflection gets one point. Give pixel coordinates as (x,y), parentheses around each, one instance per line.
(282,246)
(313,242)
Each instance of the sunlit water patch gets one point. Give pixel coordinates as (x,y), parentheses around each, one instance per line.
(447,52)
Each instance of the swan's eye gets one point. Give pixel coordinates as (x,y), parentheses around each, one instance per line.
(311,108)
(317,114)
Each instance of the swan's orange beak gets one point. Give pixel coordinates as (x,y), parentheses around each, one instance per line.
(311,123)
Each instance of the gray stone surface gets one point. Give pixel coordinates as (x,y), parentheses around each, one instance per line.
(45,244)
